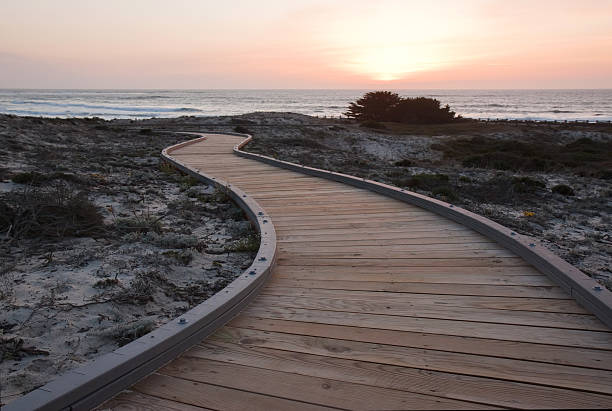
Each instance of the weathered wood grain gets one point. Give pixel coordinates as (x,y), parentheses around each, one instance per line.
(377,304)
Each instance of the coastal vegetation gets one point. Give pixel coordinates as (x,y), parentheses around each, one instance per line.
(100,242)
(583,156)
(52,211)
(380,106)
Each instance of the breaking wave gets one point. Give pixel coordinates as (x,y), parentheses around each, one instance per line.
(132,109)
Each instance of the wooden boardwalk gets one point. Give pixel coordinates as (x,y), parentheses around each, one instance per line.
(377,304)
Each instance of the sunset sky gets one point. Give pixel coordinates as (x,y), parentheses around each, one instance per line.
(197,44)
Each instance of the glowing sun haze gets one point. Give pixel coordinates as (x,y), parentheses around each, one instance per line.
(305,44)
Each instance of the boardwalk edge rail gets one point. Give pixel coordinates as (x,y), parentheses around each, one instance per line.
(585,290)
(102,378)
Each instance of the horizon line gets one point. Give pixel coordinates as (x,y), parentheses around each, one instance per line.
(298,89)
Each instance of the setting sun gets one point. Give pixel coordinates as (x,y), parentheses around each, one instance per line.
(392,63)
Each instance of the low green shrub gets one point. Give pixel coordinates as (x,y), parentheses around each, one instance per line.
(444,191)
(526,184)
(563,190)
(124,333)
(427,181)
(183,257)
(243,130)
(186,182)
(36,178)
(30,177)
(141,222)
(585,156)
(249,243)
(106,283)
(373,124)
(51,211)
(403,163)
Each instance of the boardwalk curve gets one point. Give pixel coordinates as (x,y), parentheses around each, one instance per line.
(377,304)
(373,304)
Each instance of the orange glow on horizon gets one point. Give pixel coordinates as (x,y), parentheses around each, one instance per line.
(310,44)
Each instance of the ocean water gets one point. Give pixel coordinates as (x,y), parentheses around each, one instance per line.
(589,105)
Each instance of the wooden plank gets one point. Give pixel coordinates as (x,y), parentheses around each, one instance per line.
(424,223)
(446,275)
(473,279)
(351,200)
(405,234)
(358,199)
(554,354)
(222,162)
(254,183)
(340,205)
(304,388)
(288,181)
(229,176)
(214,396)
(404,262)
(305,194)
(505,332)
(263,173)
(364,247)
(380,225)
(223,171)
(357,217)
(350,233)
(561,376)
(460,387)
(134,401)
(343,212)
(195,151)
(442,300)
(392,274)
(341,208)
(283,185)
(357,194)
(401,215)
(516,291)
(261,194)
(358,220)
(284,177)
(212,156)
(367,197)
(424,309)
(427,241)
(377,253)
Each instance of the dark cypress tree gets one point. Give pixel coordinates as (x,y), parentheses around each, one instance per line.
(374,106)
(388,106)
(422,110)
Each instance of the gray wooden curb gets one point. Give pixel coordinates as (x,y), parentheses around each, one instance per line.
(585,290)
(97,381)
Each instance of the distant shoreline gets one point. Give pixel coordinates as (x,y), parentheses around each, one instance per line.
(534,105)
